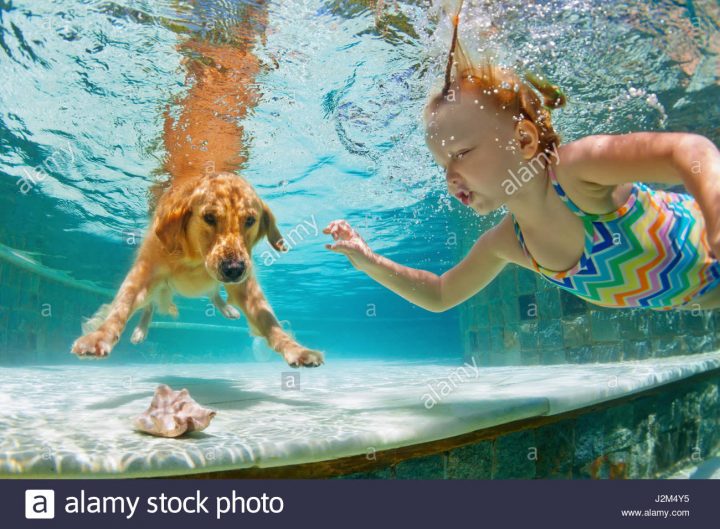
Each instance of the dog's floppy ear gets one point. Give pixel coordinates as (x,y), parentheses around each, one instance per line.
(269,229)
(171,218)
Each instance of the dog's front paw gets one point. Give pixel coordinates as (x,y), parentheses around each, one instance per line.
(230,312)
(302,357)
(95,344)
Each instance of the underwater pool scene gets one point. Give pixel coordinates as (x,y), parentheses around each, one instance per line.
(331,126)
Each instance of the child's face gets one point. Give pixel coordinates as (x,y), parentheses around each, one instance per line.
(473,140)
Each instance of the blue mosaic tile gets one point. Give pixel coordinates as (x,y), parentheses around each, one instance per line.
(513,456)
(429,467)
(470,462)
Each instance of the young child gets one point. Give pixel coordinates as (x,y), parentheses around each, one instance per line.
(579,214)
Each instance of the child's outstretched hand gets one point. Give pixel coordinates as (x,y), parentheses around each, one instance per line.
(349,242)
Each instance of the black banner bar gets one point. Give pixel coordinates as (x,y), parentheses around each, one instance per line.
(358,503)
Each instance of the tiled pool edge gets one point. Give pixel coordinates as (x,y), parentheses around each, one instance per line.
(641,435)
(637,436)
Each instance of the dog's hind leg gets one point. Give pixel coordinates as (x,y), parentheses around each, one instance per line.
(141,331)
(165,303)
(224,307)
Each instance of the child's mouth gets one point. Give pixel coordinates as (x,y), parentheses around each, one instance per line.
(464,197)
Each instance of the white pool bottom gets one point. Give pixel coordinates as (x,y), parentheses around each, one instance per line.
(76,421)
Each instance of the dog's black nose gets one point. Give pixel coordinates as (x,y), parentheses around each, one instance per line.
(232,270)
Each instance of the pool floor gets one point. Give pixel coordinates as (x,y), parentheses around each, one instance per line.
(76,421)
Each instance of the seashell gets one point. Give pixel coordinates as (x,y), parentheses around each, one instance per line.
(173,413)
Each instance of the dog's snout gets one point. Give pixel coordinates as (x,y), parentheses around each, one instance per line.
(232,269)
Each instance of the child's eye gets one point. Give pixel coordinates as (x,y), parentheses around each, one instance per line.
(460,155)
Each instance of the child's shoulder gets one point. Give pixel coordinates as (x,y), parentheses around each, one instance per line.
(504,242)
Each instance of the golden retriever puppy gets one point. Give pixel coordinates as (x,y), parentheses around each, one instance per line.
(207,222)
(202,236)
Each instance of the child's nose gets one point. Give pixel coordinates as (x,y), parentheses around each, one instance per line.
(452,178)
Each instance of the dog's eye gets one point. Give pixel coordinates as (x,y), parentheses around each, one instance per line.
(249,222)
(210,219)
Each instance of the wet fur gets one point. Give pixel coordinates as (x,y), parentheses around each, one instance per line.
(182,253)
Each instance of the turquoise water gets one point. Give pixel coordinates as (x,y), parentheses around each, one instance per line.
(336,134)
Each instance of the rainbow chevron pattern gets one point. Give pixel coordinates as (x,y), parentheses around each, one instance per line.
(651,252)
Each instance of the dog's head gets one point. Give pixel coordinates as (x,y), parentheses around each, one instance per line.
(217,218)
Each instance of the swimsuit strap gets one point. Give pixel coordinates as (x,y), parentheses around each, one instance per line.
(521,240)
(563,195)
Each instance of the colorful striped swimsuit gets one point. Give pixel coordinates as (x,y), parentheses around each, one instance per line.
(651,252)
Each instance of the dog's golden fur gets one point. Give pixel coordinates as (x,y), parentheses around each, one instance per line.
(207,222)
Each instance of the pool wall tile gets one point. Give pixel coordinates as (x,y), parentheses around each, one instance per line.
(384,473)
(429,467)
(470,462)
(555,444)
(514,456)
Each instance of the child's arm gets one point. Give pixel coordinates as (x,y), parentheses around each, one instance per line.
(425,289)
(669,157)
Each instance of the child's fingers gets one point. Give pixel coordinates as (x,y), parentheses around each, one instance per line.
(334,233)
(330,226)
(339,247)
(334,247)
(334,224)
(345,230)
(339,230)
